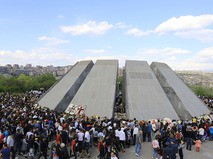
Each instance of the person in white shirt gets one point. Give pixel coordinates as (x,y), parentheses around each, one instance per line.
(117,133)
(60,128)
(113,156)
(87,142)
(10,144)
(201,133)
(95,136)
(76,124)
(29,133)
(62,119)
(80,141)
(109,128)
(100,134)
(135,132)
(122,139)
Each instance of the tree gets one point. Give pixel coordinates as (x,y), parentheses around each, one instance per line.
(25,83)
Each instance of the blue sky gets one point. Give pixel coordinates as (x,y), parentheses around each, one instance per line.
(62,32)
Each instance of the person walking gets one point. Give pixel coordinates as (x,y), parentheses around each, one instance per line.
(180,149)
(138,143)
(80,142)
(43,148)
(155,148)
(149,131)
(198,144)
(64,151)
(10,143)
(5,152)
(87,142)
(135,132)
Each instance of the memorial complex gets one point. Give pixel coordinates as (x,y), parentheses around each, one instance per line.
(149,92)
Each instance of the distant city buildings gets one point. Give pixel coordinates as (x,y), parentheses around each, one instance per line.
(196,77)
(29,70)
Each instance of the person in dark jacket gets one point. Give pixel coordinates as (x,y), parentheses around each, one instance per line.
(64,151)
(190,137)
(145,130)
(5,152)
(167,152)
(64,136)
(43,148)
(30,142)
(174,147)
(18,141)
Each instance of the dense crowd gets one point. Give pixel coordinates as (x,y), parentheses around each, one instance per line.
(119,107)
(207,100)
(31,131)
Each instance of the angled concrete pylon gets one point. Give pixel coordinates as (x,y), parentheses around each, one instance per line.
(144,97)
(98,90)
(59,95)
(184,101)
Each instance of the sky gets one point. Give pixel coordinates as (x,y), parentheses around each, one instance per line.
(62,32)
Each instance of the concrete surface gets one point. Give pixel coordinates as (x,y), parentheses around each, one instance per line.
(184,101)
(59,96)
(97,92)
(144,96)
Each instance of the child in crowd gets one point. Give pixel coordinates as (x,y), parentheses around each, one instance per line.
(113,155)
(197,144)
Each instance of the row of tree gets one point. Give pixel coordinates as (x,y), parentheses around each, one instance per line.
(25,83)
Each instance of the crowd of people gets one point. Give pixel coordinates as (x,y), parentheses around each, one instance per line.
(28,130)
(119,107)
(207,100)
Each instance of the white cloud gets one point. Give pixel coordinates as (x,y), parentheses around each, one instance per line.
(137,32)
(203,35)
(95,51)
(121,25)
(185,23)
(60,16)
(188,27)
(94,58)
(40,56)
(164,52)
(52,41)
(91,27)
(205,56)
(199,61)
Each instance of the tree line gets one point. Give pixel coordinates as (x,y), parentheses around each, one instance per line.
(25,83)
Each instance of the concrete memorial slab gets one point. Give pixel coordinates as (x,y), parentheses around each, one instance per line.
(60,94)
(97,93)
(144,97)
(184,101)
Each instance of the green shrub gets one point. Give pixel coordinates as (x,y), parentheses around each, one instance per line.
(202,90)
